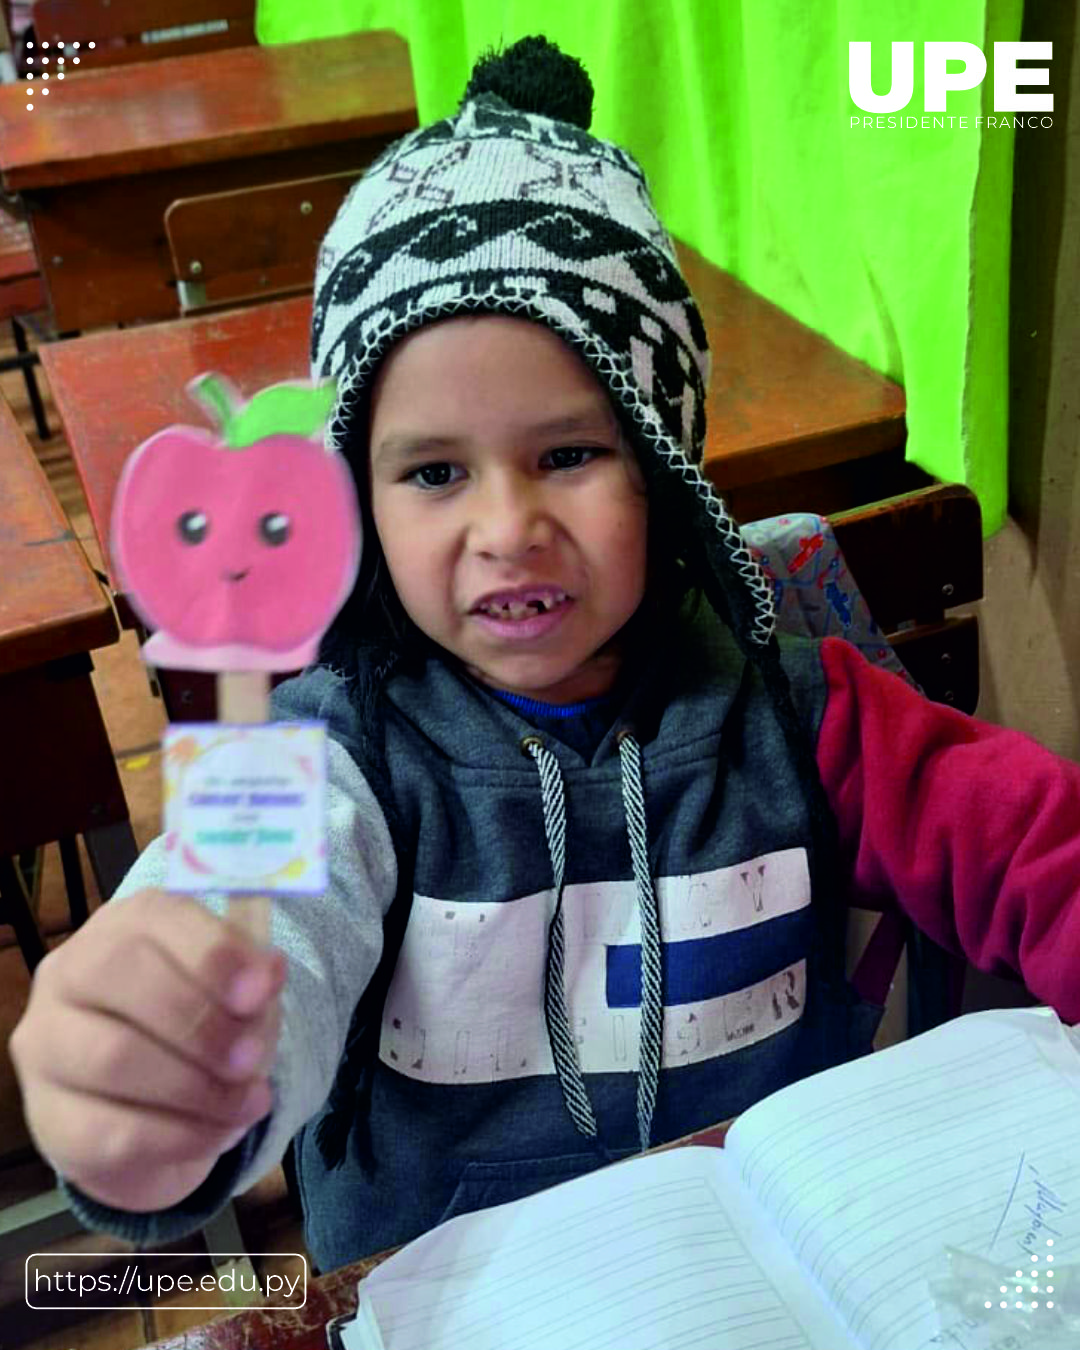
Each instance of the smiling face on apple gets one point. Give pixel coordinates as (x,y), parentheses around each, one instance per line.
(223,545)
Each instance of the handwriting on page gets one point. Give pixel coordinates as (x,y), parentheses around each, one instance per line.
(970,1144)
(1039,1201)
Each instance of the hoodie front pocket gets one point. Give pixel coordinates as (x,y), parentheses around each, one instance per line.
(483,1184)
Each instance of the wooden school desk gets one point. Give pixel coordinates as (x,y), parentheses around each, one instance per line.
(60,776)
(53,605)
(332,1295)
(793,422)
(114,389)
(102,157)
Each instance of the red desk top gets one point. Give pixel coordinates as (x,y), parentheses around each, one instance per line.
(782,399)
(51,604)
(215,105)
(114,389)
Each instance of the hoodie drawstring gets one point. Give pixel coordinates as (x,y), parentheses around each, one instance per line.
(560,1033)
(652,993)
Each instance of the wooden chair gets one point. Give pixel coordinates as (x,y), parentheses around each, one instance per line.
(252,243)
(132,30)
(913,557)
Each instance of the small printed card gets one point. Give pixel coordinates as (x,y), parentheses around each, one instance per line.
(245,808)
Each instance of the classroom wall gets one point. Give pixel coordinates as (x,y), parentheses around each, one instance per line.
(1029,620)
(1030,617)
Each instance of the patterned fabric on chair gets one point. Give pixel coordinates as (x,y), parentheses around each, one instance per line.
(814,593)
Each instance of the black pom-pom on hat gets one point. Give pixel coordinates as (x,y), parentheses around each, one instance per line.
(534,76)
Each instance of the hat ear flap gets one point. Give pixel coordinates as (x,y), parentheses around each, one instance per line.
(710,541)
(728,582)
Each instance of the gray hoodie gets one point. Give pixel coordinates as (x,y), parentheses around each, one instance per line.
(466,1109)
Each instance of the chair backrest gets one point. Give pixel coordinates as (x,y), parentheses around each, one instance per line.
(913,557)
(252,243)
(134,30)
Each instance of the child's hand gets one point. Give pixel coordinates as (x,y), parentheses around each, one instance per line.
(144,1051)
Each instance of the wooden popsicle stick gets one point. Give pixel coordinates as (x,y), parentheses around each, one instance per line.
(243,696)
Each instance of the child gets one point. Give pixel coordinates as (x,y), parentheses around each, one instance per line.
(592,824)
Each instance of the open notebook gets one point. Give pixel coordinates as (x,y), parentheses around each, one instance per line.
(816,1227)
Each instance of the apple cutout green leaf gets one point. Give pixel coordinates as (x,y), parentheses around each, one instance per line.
(279,410)
(239,545)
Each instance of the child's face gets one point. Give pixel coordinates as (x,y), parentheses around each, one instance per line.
(496,463)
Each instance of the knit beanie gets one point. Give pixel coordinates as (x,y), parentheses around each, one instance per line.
(511,207)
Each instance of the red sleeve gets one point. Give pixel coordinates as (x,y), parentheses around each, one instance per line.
(972,829)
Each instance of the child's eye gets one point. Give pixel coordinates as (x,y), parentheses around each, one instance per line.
(575,454)
(430,476)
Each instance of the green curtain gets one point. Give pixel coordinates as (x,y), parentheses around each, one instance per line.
(892,243)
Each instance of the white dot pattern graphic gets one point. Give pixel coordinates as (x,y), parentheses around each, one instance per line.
(1034,1289)
(61,46)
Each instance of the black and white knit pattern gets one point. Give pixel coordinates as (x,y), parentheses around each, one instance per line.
(501,211)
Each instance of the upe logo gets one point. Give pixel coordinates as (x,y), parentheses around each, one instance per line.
(938,80)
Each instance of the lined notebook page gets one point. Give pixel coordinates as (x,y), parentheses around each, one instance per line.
(647,1254)
(968,1135)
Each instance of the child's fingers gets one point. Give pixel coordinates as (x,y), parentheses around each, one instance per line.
(98,1134)
(130,1157)
(130,1053)
(138,982)
(239,975)
(100,1057)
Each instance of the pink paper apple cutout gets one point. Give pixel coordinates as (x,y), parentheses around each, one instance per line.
(238,548)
